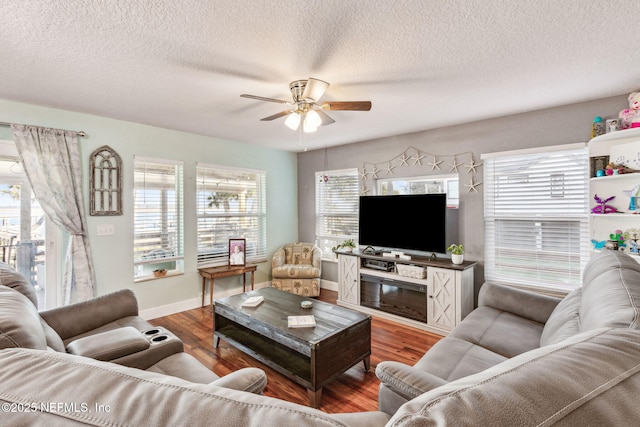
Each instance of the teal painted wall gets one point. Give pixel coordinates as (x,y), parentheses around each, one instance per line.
(113,255)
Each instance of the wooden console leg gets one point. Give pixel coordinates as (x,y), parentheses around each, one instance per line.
(216,341)
(367,363)
(314,397)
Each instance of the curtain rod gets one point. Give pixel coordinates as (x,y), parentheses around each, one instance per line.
(8,125)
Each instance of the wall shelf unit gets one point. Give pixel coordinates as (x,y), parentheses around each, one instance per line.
(616,147)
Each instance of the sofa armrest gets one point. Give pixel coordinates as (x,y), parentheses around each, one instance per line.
(278,258)
(252,380)
(530,305)
(406,380)
(110,345)
(316,257)
(75,319)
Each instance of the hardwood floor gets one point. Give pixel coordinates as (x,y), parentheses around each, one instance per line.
(353,391)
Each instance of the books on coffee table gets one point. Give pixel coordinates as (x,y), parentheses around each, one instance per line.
(253,301)
(302,321)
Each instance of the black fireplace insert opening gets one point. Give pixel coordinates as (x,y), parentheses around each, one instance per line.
(394,296)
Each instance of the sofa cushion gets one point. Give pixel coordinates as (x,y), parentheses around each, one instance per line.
(19,321)
(12,279)
(452,358)
(139,398)
(185,366)
(499,331)
(612,299)
(589,379)
(564,322)
(295,271)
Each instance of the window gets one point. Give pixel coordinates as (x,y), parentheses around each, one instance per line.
(337,200)
(231,204)
(423,185)
(25,233)
(158,236)
(536,208)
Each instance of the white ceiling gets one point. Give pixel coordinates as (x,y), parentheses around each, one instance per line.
(182,64)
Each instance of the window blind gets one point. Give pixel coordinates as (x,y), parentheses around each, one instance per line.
(158,237)
(536,209)
(231,204)
(337,203)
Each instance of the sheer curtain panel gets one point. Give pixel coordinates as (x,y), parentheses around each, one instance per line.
(51,161)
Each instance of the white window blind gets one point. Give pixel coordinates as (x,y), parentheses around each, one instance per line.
(536,208)
(337,203)
(158,236)
(231,204)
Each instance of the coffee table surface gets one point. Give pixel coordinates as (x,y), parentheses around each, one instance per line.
(279,305)
(311,356)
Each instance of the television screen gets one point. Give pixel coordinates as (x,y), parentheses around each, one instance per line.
(416,222)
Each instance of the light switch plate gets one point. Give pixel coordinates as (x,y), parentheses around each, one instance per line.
(106,230)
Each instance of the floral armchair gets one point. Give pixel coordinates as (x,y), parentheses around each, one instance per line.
(296,268)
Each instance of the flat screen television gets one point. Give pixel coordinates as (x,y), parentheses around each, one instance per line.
(415,222)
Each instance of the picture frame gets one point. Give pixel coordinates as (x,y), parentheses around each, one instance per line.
(237,252)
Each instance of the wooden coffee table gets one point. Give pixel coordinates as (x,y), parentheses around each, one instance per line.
(311,357)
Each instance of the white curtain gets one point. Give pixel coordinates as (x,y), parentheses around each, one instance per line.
(51,160)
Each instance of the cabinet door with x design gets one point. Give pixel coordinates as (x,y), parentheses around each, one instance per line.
(441,291)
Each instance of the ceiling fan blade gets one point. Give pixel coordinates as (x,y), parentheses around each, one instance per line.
(314,89)
(326,120)
(347,105)
(262,98)
(277,115)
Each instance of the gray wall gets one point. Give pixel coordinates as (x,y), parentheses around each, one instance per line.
(554,126)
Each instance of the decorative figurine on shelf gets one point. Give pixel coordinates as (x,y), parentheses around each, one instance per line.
(618,238)
(633,194)
(630,117)
(597,128)
(632,237)
(616,169)
(598,244)
(603,207)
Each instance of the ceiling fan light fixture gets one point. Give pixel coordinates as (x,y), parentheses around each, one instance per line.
(293,121)
(307,128)
(314,89)
(312,119)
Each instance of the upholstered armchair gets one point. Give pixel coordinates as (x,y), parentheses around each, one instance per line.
(296,268)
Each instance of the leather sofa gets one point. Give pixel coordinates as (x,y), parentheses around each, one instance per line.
(106,328)
(510,322)
(590,377)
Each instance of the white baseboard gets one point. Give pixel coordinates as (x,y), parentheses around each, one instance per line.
(328,284)
(190,304)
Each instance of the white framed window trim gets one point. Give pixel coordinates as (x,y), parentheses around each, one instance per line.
(231,204)
(536,208)
(158,241)
(337,206)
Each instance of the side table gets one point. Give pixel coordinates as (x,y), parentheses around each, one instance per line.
(212,273)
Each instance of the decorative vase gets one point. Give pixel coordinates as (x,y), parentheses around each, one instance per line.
(348,249)
(457,259)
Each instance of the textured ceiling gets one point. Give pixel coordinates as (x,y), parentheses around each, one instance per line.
(182,64)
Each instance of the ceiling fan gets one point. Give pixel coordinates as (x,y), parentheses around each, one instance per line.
(306,107)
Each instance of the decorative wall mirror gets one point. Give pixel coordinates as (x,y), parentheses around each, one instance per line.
(106,182)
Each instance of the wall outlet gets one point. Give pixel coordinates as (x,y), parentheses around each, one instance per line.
(106,230)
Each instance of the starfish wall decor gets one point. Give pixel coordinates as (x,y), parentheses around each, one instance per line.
(369,171)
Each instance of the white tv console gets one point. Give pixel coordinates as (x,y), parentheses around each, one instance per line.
(447,287)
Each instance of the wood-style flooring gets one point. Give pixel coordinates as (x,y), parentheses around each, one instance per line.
(353,391)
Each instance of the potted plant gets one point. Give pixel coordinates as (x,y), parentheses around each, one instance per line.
(348,245)
(457,253)
(161,272)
